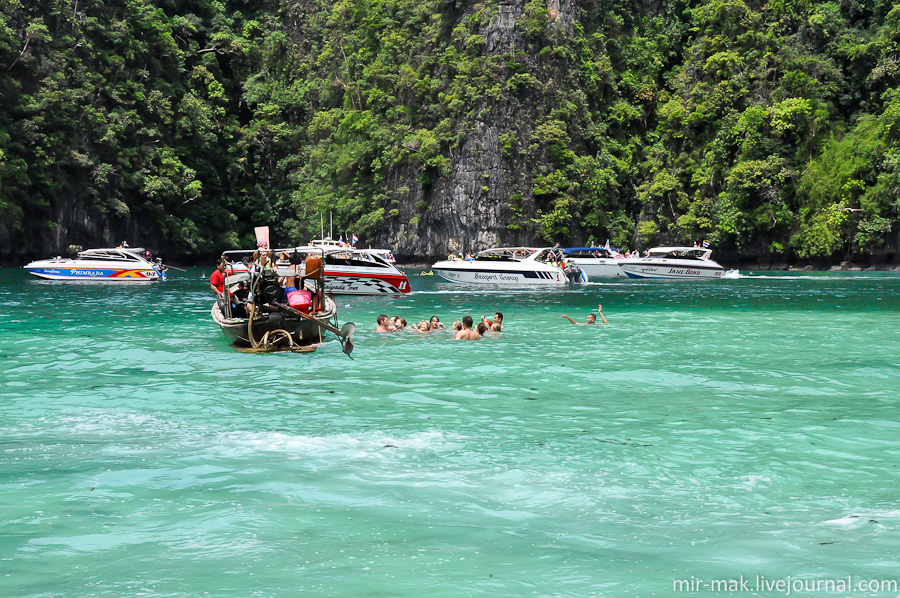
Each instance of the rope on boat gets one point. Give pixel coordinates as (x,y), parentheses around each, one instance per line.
(269,337)
(268,342)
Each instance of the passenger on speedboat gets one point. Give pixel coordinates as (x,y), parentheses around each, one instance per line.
(217,278)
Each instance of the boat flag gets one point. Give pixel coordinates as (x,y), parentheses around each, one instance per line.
(262,236)
(706,244)
(355,239)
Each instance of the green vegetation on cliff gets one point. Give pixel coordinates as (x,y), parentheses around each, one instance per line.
(767,128)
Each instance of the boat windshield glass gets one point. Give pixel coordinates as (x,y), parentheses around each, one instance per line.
(352,258)
(504,254)
(109,255)
(550,256)
(588,253)
(680,254)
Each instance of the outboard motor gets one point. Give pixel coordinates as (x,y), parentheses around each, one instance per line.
(576,274)
(269,289)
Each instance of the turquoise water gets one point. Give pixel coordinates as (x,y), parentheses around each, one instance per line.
(746,426)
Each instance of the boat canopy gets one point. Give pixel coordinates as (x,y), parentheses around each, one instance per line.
(691,253)
(587,252)
(356,257)
(302,250)
(506,253)
(114,253)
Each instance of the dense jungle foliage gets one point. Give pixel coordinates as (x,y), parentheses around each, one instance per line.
(767,128)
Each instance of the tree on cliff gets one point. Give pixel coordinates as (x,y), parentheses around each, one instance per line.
(767,127)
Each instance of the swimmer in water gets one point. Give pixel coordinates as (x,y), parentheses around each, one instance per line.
(383,323)
(467,334)
(498,319)
(591,318)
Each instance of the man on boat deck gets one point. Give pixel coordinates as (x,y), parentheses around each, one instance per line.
(217,278)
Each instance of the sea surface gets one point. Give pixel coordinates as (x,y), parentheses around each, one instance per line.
(739,428)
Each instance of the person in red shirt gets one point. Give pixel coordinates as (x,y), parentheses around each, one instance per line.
(217,278)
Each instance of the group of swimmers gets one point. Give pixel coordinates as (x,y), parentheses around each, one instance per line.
(461,329)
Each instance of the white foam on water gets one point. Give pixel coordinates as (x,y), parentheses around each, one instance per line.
(863,518)
(360,446)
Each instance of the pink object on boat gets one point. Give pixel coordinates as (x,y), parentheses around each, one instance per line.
(300,300)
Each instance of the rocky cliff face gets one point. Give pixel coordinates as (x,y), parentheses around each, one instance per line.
(432,126)
(472,207)
(70,221)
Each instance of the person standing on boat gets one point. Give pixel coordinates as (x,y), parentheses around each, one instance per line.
(217,278)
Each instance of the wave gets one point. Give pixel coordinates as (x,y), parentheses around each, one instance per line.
(346,445)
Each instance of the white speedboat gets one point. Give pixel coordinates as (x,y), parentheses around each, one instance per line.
(595,262)
(513,266)
(347,271)
(362,272)
(118,264)
(674,263)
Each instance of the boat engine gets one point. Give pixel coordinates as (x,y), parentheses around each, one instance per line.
(269,289)
(575,273)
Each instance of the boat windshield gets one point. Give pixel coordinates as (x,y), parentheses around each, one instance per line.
(504,254)
(553,255)
(595,252)
(355,258)
(118,255)
(681,253)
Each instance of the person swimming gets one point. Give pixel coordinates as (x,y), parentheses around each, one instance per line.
(383,323)
(591,318)
(467,334)
(498,319)
(436,323)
